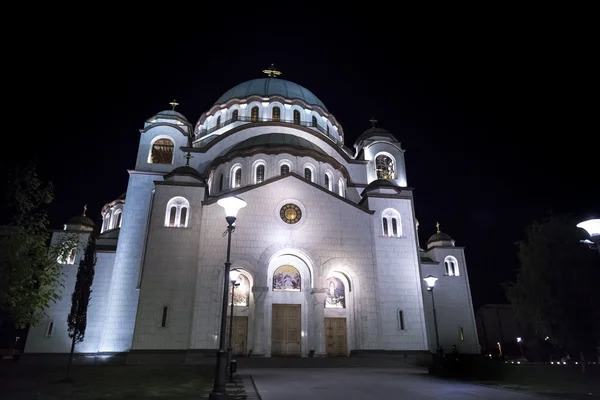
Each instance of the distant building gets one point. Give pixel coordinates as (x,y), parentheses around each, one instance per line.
(327,246)
(496,323)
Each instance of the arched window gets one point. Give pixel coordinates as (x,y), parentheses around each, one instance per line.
(165,314)
(177,214)
(161,152)
(341,188)
(385,166)
(106,221)
(314,121)
(254,114)
(241,294)
(329,181)
(285,169)
(276,114)
(221,182)
(307,174)
(451,266)
(297,117)
(328,129)
(237,178)
(260,174)
(286,279)
(234,116)
(50,329)
(71,256)
(218,125)
(336,293)
(390,220)
(117,218)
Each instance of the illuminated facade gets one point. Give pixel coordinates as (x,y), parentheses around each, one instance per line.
(327,246)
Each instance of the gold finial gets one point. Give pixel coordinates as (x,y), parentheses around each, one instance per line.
(272,72)
(437,224)
(174,104)
(373,120)
(84,209)
(188,156)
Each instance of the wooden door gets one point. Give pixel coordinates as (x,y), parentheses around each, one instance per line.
(335,336)
(239,339)
(285,330)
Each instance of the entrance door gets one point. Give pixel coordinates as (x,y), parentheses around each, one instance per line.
(285,332)
(240,335)
(335,333)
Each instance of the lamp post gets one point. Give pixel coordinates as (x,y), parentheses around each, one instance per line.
(430,280)
(520,341)
(592,227)
(231,205)
(233,275)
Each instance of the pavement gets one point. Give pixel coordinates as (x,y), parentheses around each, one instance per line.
(367,384)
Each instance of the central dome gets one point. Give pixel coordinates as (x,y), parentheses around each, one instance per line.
(266,87)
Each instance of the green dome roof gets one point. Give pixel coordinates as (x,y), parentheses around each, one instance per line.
(81,220)
(266,87)
(276,140)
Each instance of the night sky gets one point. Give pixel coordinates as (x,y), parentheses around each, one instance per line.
(494,115)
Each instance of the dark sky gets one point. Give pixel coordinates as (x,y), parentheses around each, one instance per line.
(493,107)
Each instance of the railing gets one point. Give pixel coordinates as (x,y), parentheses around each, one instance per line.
(252,120)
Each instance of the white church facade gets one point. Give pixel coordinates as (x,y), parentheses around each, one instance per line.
(327,247)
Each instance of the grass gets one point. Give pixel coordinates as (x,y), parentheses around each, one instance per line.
(105,382)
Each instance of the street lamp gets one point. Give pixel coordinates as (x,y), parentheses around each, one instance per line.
(231,205)
(430,280)
(520,341)
(592,227)
(233,275)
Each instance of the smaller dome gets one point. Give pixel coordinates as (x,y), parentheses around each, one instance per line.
(185,170)
(171,113)
(375,131)
(380,183)
(440,239)
(81,220)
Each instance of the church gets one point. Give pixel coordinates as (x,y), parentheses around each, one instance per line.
(326,254)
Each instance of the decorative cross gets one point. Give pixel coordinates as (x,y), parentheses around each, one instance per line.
(272,72)
(84,209)
(373,120)
(174,104)
(437,224)
(188,156)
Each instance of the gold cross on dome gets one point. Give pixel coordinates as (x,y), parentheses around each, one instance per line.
(84,209)
(437,225)
(373,120)
(272,72)
(174,104)
(188,156)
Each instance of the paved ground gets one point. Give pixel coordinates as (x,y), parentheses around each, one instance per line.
(367,384)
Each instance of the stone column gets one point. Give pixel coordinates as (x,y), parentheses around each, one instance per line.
(258,347)
(319,296)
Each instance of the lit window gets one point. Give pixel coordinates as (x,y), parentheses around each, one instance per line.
(254,114)
(307,174)
(285,169)
(260,174)
(177,215)
(461,334)
(218,122)
(297,117)
(385,166)
(276,114)
(162,152)
(234,116)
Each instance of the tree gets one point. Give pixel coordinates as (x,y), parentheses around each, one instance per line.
(77,319)
(29,271)
(556,293)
